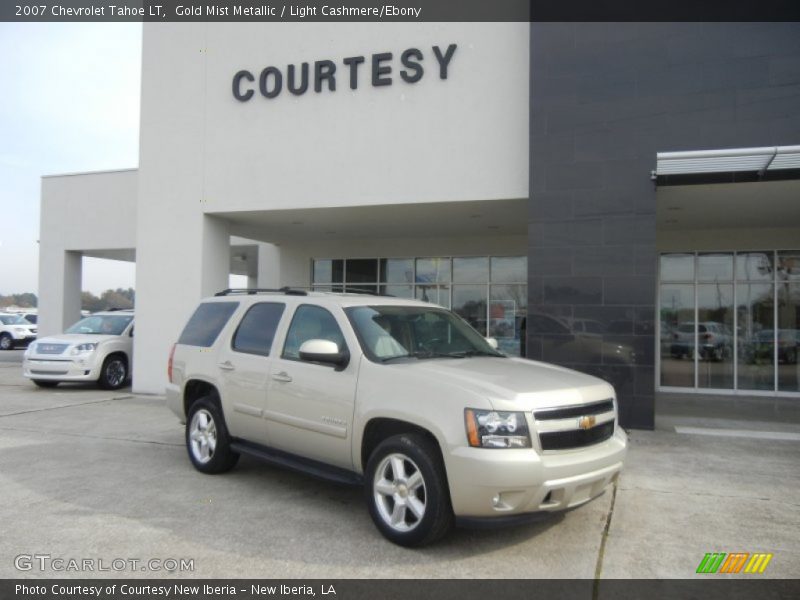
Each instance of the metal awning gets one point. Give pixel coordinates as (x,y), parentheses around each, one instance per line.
(760,161)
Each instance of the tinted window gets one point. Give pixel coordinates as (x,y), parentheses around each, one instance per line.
(257,329)
(311,323)
(206,323)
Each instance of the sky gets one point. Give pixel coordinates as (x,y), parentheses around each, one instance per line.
(69,103)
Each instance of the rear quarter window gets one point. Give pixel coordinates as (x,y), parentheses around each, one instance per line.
(206,323)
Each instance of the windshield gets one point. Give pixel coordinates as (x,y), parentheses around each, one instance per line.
(389,332)
(13,320)
(102,324)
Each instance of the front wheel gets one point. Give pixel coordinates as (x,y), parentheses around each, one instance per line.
(114,372)
(207,439)
(6,342)
(406,490)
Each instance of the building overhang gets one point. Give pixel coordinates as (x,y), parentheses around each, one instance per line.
(730,165)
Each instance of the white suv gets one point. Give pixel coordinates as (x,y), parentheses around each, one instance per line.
(400,396)
(96,348)
(15,331)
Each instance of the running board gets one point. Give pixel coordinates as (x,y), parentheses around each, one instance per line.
(314,468)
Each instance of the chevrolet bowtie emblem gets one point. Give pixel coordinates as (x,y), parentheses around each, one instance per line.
(587,422)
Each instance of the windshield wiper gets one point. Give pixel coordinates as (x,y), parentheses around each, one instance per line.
(426,354)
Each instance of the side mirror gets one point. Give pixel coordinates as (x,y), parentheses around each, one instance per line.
(323,351)
(492,342)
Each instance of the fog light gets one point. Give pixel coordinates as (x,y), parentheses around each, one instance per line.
(496,500)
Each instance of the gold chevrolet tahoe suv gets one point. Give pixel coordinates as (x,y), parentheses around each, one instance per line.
(400,396)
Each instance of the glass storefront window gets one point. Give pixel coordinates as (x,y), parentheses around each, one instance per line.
(469,302)
(433,270)
(509,269)
(747,332)
(754,266)
(715,267)
(677,347)
(755,314)
(397,270)
(677,267)
(471,270)
(715,335)
(490,293)
(361,270)
(398,291)
(508,309)
(789,266)
(328,271)
(788,336)
(436,294)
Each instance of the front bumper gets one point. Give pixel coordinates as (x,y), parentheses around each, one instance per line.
(503,483)
(62,369)
(24,341)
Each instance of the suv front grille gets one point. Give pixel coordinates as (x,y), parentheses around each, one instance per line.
(577,438)
(577,426)
(595,408)
(42,348)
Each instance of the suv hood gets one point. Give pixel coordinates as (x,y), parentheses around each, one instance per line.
(75,338)
(512,383)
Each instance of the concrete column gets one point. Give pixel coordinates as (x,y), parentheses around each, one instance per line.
(170,280)
(269,271)
(60,276)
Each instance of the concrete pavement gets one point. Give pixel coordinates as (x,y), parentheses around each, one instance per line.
(91,474)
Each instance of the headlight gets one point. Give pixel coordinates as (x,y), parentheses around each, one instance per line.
(494,429)
(83,348)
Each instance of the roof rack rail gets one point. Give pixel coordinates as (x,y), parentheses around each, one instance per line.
(250,291)
(114,309)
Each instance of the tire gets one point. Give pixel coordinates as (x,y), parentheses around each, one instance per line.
(207,440)
(6,342)
(114,372)
(45,384)
(408,469)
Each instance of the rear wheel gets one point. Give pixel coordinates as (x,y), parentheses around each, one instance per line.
(407,492)
(207,438)
(45,384)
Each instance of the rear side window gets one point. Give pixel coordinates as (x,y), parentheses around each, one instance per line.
(257,329)
(206,323)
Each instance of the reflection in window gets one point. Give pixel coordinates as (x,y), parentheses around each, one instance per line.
(469,302)
(508,308)
(754,266)
(433,270)
(755,313)
(715,335)
(436,294)
(788,336)
(361,270)
(677,346)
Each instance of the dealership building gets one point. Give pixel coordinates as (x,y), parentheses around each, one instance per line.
(622,199)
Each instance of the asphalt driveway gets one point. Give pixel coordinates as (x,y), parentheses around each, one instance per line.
(90,474)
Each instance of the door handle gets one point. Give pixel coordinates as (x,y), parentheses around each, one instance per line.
(226,366)
(282,376)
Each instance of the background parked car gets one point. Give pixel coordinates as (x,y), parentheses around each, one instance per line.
(714,341)
(15,331)
(763,346)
